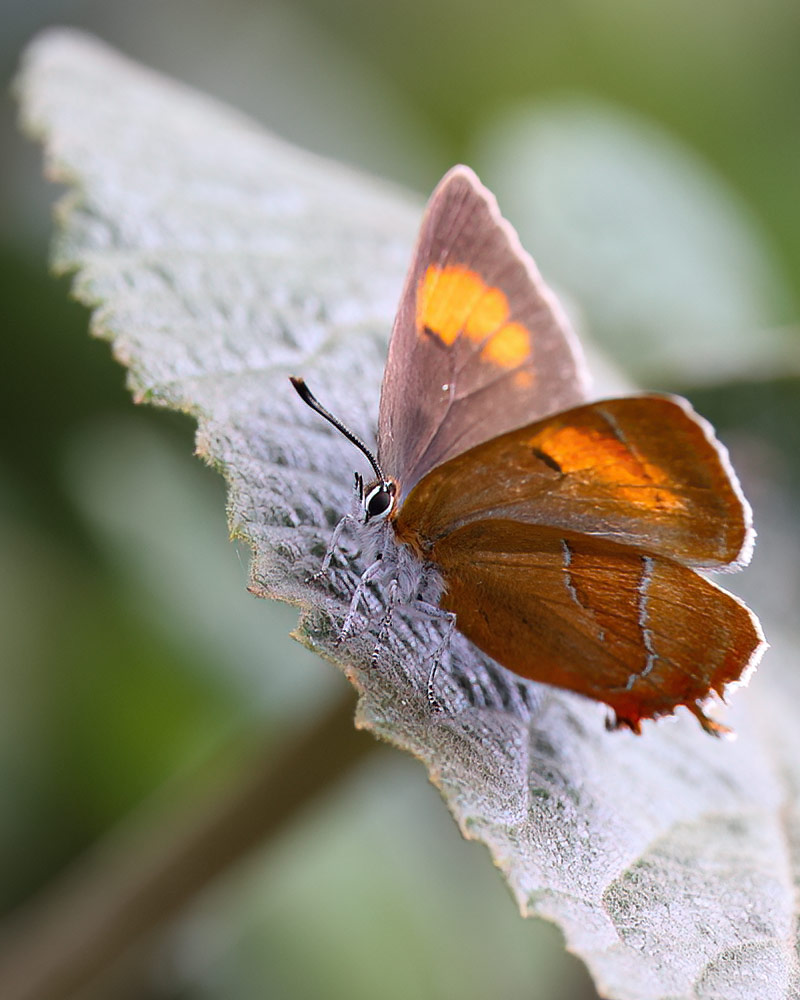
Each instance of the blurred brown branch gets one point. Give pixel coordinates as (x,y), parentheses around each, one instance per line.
(140,877)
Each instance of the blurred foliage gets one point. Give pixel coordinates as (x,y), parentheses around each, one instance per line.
(648,243)
(111,688)
(723,76)
(102,708)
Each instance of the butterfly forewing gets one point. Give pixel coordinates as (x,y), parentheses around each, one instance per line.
(636,631)
(479,345)
(644,471)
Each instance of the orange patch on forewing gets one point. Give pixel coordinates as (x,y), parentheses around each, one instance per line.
(445,300)
(509,346)
(453,301)
(490,311)
(610,461)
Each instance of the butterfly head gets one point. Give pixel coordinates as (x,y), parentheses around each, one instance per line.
(378,497)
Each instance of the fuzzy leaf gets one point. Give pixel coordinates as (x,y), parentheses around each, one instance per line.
(218,260)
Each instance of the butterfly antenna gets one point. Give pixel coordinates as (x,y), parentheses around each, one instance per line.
(311,400)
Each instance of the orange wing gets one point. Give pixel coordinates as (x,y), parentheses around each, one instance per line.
(638,632)
(644,471)
(480,344)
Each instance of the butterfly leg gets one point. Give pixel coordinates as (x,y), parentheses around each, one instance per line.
(392,597)
(369,574)
(333,545)
(434,611)
(353,517)
(428,610)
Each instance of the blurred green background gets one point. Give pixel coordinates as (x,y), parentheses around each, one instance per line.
(649,155)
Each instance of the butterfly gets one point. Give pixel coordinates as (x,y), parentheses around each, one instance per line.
(562,536)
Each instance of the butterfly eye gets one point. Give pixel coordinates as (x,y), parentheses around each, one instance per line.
(379,501)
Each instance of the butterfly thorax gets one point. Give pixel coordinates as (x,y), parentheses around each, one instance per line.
(415,577)
(410,538)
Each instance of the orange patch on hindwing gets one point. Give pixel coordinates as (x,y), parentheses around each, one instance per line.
(453,301)
(630,476)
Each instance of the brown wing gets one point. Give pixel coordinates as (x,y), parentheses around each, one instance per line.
(479,345)
(643,471)
(640,633)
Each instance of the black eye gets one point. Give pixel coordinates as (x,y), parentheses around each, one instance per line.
(379,503)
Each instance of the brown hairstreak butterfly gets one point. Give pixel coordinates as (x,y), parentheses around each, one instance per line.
(562,537)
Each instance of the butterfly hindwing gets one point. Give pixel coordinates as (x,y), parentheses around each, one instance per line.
(480,344)
(641,633)
(644,471)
